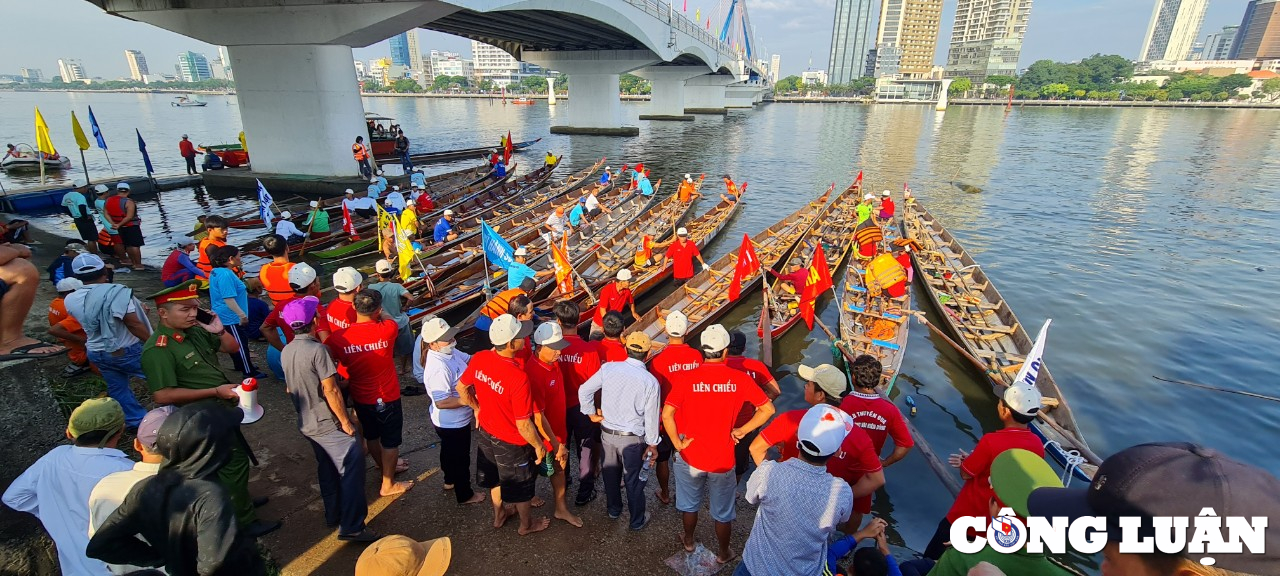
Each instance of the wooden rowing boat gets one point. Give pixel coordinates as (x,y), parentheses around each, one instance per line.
(834,231)
(872,322)
(983,324)
(705,297)
(460,154)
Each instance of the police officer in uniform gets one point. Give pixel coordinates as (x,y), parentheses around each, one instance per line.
(181,365)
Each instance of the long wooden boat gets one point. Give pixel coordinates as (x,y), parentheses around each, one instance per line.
(834,231)
(705,297)
(468,223)
(982,322)
(459,154)
(875,324)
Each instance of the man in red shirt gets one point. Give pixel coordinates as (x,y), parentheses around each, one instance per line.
(615,297)
(675,357)
(188,152)
(365,348)
(611,347)
(874,413)
(546,381)
(698,416)
(579,362)
(760,374)
(302,279)
(496,386)
(886,206)
(681,254)
(1018,407)
(340,313)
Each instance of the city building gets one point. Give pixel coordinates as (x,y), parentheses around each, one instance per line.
(137,65)
(400,49)
(451,64)
(71,71)
(360,70)
(225,58)
(1259,34)
(1174,27)
(850,41)
(1210,67)
(908,90)
(496,65)
(1218,45)
(811,77)
(416,70)
(775,68)
(907,38)
(1197,51)
(986,38)
(31,75)
(193,67)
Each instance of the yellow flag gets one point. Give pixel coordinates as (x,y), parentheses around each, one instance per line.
(81,141)
(43,142)
(384,221)
(404,249)
(243,145)
(697,15)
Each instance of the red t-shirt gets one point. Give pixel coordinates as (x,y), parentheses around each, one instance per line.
(424,203)
(759,373)
(503,391)
(782,431)
(879,418)
(612,350)
(273,321)
(682,258)
(612,300)
(673,358)
(366,349)
(976,493)
(855,458)
(706,400)
(578,363)
(886,207)
(547,388)
(339,314)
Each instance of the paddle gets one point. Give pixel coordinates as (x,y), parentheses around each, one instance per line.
(310,225)
(1216,389)
(766,328)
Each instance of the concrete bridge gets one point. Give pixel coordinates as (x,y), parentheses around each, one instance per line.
(295,69)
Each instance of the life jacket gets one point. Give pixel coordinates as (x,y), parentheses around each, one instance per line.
(686,191)
(116,209)
(358,150)
(205,263)
(883,272)
(275,280)
(868,235)
(104,238)
(501,303)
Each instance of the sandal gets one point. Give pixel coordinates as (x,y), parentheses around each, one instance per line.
(22,352)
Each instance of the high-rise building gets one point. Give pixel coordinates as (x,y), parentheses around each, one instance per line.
(400,49)
(71,71)
(775,68)
(359,68)
(495,65)
(986,38)
(193,67)
(1174,27)
(1218,45)
(137,65)
(850,40)
(1259,35)
(416,70)
(225,58)
(31,75)
(907,38)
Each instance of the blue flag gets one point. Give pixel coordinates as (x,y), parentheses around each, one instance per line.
(97,132)
(264,205)
(497,250)
(142,147)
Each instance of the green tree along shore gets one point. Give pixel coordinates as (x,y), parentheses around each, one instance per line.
(56,83)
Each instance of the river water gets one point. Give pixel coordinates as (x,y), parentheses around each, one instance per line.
(1150,237)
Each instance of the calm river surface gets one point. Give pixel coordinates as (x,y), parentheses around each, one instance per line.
(1150,237)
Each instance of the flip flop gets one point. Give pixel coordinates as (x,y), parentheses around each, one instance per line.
(26,351)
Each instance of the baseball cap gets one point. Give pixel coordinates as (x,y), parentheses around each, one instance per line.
(624,275)
(682,231)
(521,251)
(885,193)
(395,188)
(286,214)
(149,428)
(1172,479)
(122,186)
(1022,399)
(638,342)
(828,378)
(96,414)
(384,266)
(313,204)
(560,211)
(101,189)
(506,328)
(68,285)
(448,212)
(85,263)
(347,279)
(868,196)
(677,324)
(1015,473)
(75,245)
(300,311)
(550,335)
(688,177)
(301,275)
(582,199)
(350,191)
(822,430)
(403,556)
(435,329)
(715,338)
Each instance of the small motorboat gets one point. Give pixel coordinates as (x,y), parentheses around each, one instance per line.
(523,101)
(24,158)
(187,102)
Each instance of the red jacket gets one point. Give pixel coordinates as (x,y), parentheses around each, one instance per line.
(187,149)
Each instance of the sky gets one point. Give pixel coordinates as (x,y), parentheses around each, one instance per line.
(798,30)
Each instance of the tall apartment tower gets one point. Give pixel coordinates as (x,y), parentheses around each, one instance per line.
(400,49)
(850,41)
(1174,27)
(416,66)
(137,65)
(71,70)
(906,38)
(986,38)
(1259,35)
(775,68)
(193,67)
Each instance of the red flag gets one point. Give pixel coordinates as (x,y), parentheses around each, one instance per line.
(564,271)
(347,225)
(506,149)
(647,247)
(819,281)
(748,264)
(686,6)
(858,181)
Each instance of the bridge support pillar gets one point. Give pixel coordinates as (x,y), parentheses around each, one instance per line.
(706,94)
(741,95)
(594,107)
(668,96)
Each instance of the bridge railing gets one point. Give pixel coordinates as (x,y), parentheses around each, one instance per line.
(667,13)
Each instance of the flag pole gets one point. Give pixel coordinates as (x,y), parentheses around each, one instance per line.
(113,168)
(86,168)
(488,290)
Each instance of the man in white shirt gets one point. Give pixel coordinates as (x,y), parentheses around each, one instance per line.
(556,225)
(112,489)
(442,366)
(593,206)
(115,325)
(286,228)
(56,487)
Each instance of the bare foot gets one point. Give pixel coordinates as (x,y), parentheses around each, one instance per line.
(536,525)
(501,515)
(731,557)
(568,516)
(664,498)
(537,502)
(397,488)
(402,465)
(689,544)
(477,498)
(448,487)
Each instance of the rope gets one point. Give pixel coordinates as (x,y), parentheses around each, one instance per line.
(1074,460)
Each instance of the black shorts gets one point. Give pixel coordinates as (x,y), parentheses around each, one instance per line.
(366,212)
(386,427)
(87,228)
(506,466)
(742,453)
(131,236)
(665,447)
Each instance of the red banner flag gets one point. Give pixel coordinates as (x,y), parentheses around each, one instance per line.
(506,149)
(748,264)
(858,181)
(347,225)
(818,282)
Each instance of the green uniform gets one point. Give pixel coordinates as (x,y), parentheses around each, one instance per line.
(187,359)
(322,221)
(954,563)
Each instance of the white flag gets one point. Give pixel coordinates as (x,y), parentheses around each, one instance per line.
(1035,360)
(264,205)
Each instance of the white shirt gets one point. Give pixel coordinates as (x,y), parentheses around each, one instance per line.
(365,203)
(800,505)
(288,229)
(440,375)
(56,490)
(628,398)
(396,199)
(557,223)
(109,494)
(592,202)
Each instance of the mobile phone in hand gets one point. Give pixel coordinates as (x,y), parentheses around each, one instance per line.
(204,316)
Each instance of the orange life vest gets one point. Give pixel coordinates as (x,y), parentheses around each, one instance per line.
(275,280)
(686,191)
(359,151)
(204,263)
(868,233)
(884,271)
(501,302)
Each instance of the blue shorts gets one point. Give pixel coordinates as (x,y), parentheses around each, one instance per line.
(691,483)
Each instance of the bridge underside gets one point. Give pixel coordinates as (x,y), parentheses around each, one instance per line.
(540,30)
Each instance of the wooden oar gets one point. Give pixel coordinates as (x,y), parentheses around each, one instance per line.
(766,328)
(1217,389)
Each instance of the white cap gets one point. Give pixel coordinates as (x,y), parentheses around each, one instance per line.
(506,328)
(1023,399)
(379,171)
(347,279)
(373,179)
(101,189)
(521,251)
(688,177)
(435,329)
(85,263)
(286,214)
(682,231)
(314,204)
(122,186)
(828,378)
(384,266)
(677,324)
(350,191)
(868,196)
(885,193)
(715,338)
(301,275)
(77,184)
(68,285)
(624,275)
(394,187)
(823,429)
(550,335)
(608,168)
(448,212)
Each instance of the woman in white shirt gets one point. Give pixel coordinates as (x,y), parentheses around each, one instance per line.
(442,366)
